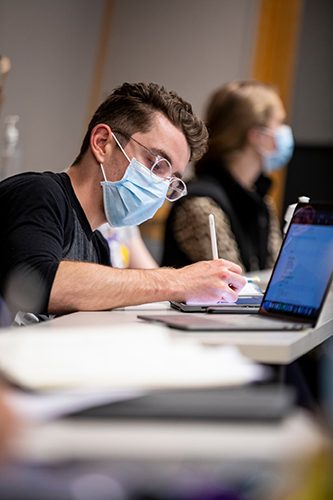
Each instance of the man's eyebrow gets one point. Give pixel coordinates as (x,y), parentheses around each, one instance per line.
(162,153)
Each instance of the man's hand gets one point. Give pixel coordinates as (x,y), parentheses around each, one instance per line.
(210,281)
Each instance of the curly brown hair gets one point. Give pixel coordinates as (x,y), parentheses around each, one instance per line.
(131,107)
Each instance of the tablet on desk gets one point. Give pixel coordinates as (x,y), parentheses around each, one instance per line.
(249,301)
(244,305)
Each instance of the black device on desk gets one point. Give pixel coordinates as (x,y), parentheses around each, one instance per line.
(299,282)
(244,305)
(268,402)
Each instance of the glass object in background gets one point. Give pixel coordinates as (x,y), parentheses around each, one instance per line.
(290,210)
(11,158)
(4,70)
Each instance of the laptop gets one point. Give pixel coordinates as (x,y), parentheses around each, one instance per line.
(298,286)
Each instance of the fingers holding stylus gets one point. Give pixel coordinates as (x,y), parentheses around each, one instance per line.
(210,281)
(231,280)
(234,285)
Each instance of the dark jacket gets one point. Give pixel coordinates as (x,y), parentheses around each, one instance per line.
(247,211)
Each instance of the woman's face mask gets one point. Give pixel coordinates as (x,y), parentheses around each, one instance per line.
(284,148)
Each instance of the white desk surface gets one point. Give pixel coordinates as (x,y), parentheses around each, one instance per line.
(264,347)
(90,439)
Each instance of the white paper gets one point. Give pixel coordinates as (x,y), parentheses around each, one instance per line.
(127,357)
(41,407)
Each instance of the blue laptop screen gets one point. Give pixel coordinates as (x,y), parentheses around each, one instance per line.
(304,267)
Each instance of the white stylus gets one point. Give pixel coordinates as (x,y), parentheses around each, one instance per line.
(213,236)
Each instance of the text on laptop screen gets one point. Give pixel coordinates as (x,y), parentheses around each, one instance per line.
(305,264)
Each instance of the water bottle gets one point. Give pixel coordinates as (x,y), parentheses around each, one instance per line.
(290,211)
(11,161)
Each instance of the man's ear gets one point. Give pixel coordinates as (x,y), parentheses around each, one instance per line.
(101,141)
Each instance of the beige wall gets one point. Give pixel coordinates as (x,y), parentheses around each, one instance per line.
(191,46)
(51,45)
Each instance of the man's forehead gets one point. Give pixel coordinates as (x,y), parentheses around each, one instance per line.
(166,140)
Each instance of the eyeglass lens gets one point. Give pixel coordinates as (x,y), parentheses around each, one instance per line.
(162,169)
(176,189)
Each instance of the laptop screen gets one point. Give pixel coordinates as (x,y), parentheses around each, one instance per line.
(302,273)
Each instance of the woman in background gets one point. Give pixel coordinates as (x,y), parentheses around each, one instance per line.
(248,139)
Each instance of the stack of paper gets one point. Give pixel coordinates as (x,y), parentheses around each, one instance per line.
(118,357)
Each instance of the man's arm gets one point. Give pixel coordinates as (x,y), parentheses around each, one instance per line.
(140,257)
(81,286)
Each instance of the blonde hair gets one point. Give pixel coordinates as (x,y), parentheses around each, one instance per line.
(233,110)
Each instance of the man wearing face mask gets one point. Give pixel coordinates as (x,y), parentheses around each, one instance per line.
(247,140)
(54,261)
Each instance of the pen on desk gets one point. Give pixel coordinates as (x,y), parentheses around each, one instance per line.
(213,236)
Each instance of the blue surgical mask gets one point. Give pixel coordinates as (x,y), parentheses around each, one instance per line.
(135,198)
(284,148)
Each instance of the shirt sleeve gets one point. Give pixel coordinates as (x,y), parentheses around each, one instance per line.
(34,233)
(192,234)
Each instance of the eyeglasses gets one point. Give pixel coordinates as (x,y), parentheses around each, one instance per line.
(162,170)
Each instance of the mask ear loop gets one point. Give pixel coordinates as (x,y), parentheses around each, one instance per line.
(103,172)
(115,138)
